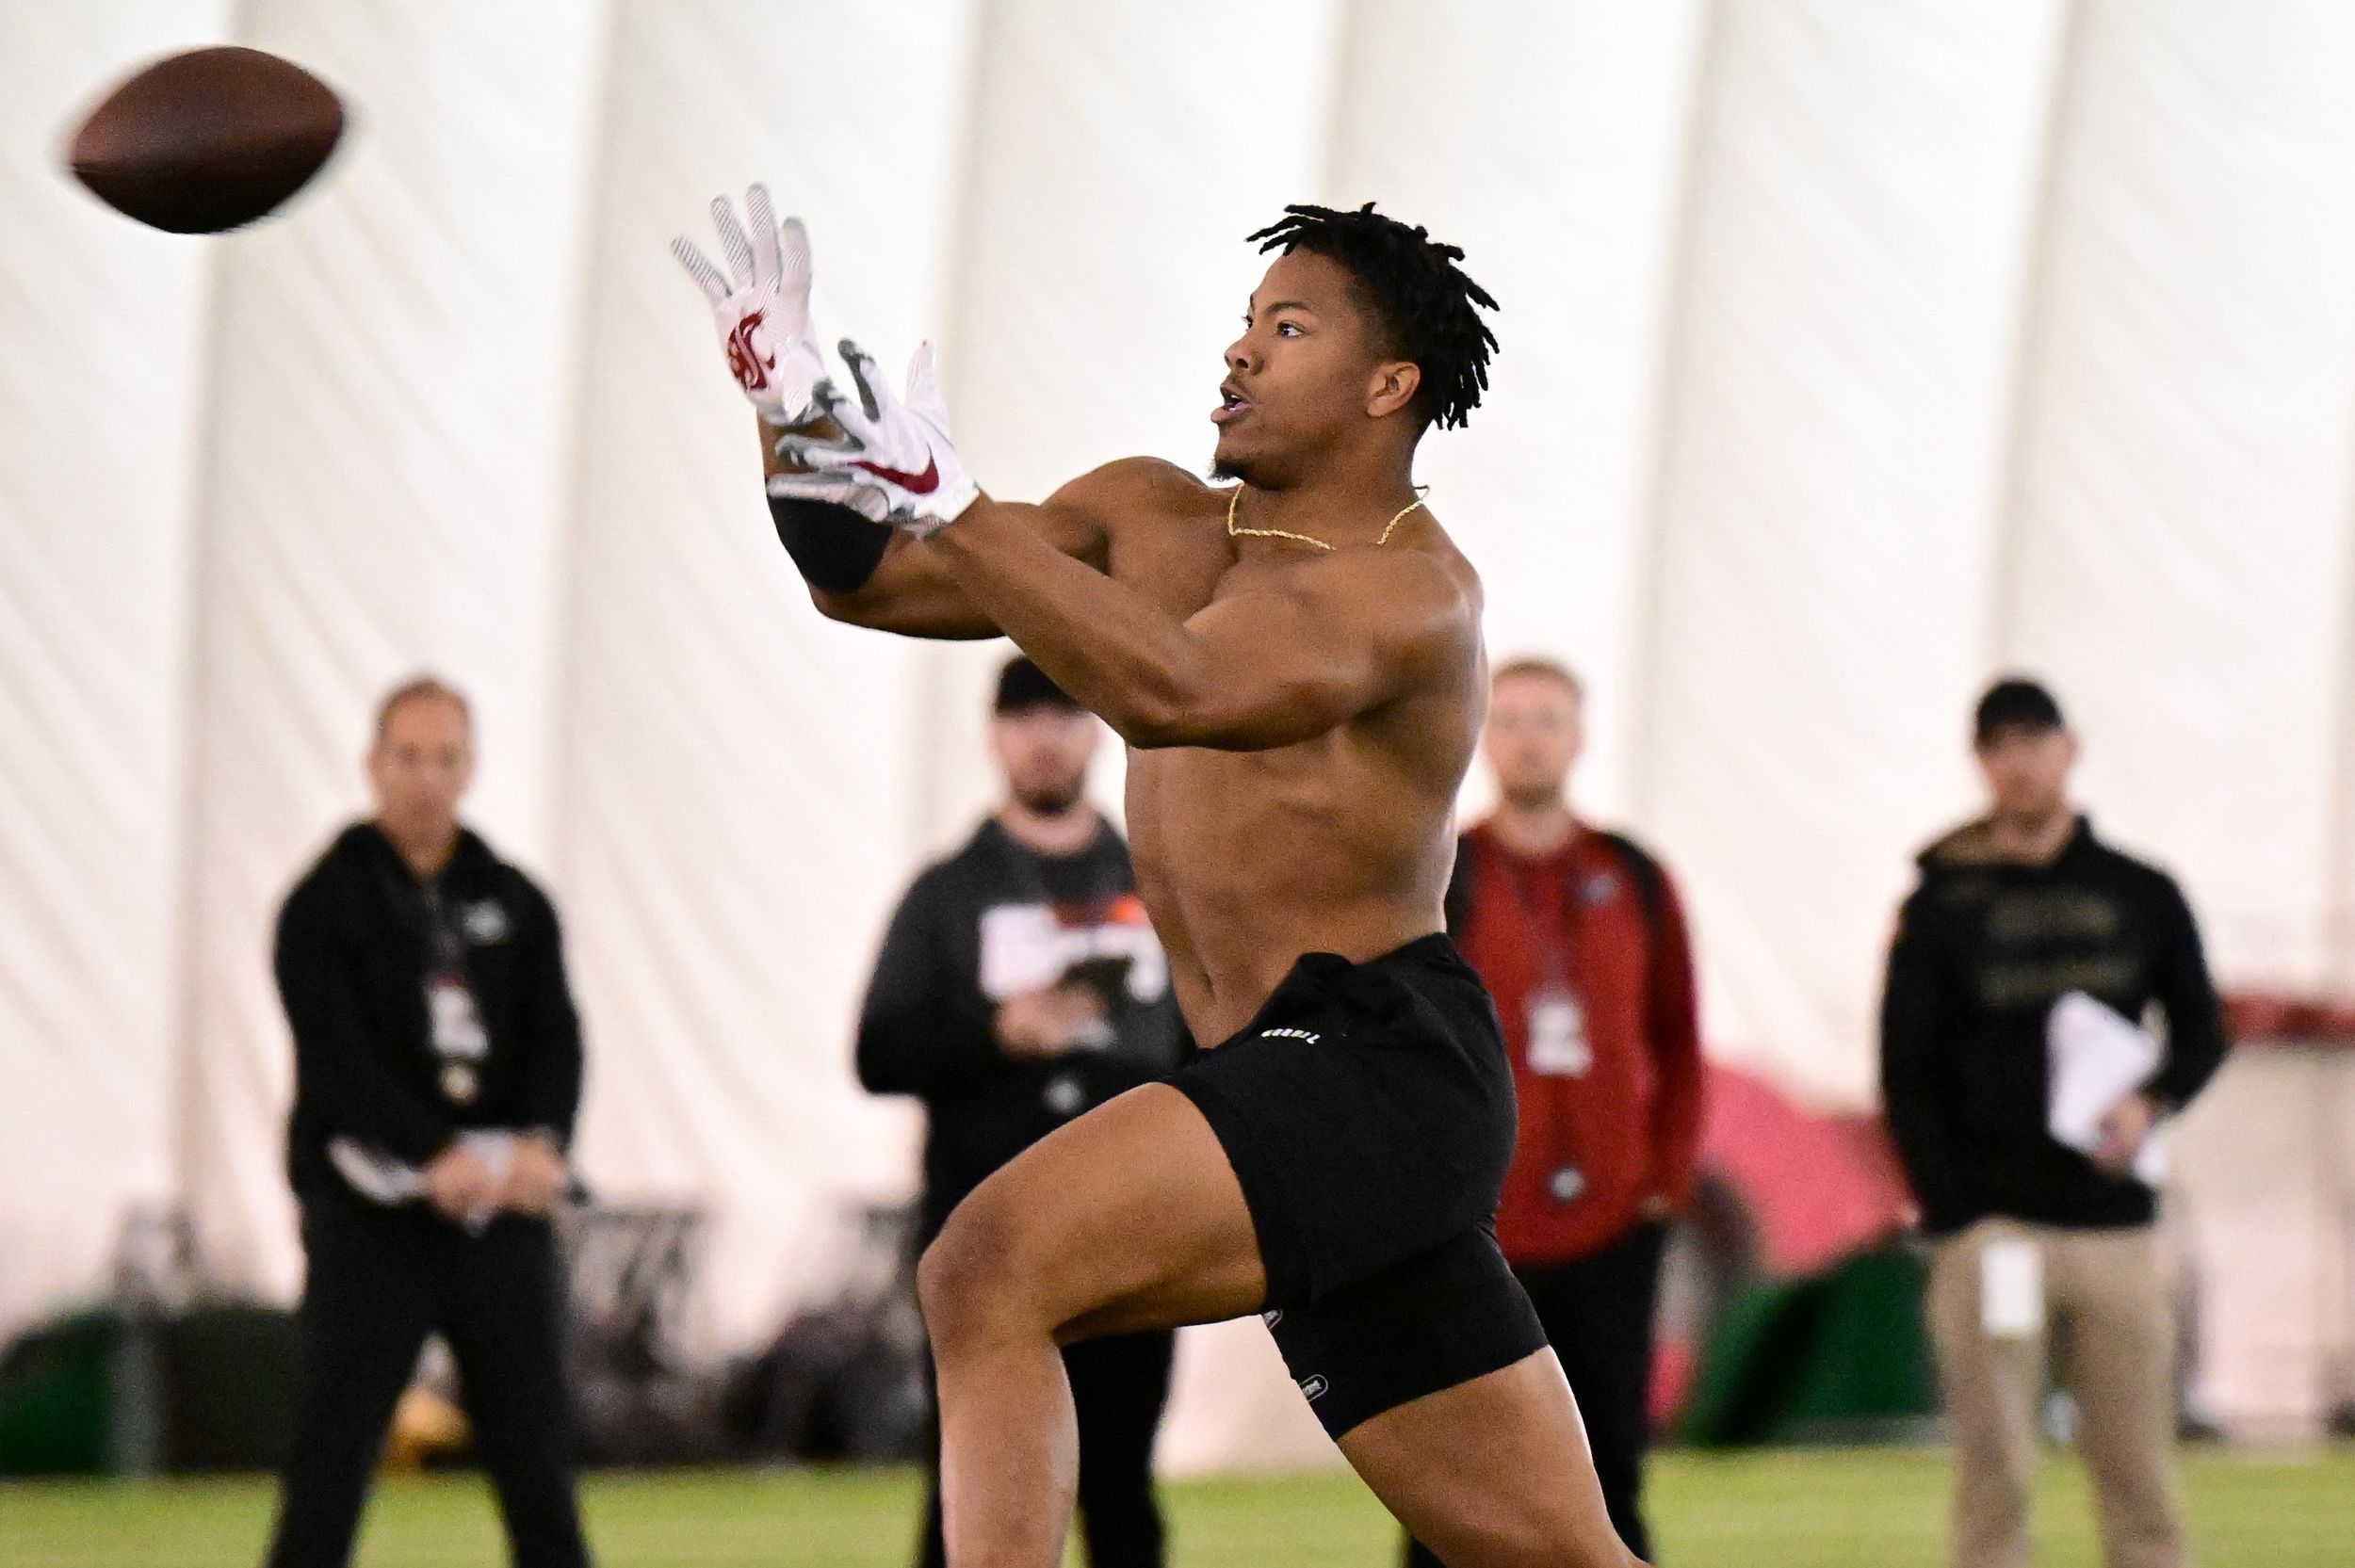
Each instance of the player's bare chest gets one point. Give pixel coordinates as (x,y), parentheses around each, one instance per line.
(1189,566)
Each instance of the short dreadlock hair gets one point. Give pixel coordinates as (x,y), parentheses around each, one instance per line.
(1416,291)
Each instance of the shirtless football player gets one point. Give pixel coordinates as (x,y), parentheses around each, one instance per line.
(1294,661)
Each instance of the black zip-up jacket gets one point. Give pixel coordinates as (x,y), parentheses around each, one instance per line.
(995,908)
(352,959)
(1984,948)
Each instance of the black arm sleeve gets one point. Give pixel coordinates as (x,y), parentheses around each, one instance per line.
(2195,1020)
(1916,1015)
(552,1062)
(336,1067)
(926,1026)
(833,548)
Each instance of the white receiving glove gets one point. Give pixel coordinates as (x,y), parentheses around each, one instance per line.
(894,457)
(761,311)
(840,486)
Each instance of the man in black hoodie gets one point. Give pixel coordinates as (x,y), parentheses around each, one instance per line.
(1020,984)
(437,1071)
(2034,1236)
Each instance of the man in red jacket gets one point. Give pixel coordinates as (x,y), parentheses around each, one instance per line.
(1579,936)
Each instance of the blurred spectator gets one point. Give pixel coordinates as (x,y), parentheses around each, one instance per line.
(437,1070)
(1579,934)
(2035,1240)
(1021,985)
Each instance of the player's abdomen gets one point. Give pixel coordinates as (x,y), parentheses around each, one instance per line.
(1247,860)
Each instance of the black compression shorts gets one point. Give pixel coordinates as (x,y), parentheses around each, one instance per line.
(1368,1113)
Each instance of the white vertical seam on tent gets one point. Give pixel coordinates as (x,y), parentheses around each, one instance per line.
(2338,836)
(2034,299)
(1641,705)
(933,682)
(565,572)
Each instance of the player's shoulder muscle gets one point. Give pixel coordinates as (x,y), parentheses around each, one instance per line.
(1126,489)
(1423,600)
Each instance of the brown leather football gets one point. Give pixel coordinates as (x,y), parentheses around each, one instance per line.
(207,141)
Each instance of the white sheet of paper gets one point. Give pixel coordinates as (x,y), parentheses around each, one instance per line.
(2096,1058)
(2011,1287)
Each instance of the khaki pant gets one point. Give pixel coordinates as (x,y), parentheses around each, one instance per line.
(2110,1327)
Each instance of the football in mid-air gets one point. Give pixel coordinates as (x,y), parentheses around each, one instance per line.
(207,141)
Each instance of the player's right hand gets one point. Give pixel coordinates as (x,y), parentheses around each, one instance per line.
(760,306)
(893,453)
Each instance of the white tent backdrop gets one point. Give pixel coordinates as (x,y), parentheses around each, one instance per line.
(1850,353)
(102,333)
(1832,452)
(2179,552)
(739,785)
(387,425)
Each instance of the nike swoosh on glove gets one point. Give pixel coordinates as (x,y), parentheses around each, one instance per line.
(895,452)
(760,306)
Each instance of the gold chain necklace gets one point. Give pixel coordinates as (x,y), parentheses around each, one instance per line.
(1234,499)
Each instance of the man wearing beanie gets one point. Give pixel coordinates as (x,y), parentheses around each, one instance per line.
(1020,985)
(2026,938)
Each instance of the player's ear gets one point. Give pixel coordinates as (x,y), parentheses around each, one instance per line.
(1393,387)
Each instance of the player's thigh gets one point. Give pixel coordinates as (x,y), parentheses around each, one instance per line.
(1493,1472)
(1127,1218)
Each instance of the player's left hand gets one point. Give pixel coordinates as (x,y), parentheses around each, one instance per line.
(760,305)
(894,455)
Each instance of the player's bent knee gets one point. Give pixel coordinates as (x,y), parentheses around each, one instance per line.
(951,1273)
(970,1281)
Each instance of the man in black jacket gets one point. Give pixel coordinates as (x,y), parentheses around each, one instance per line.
(2015,913)
(1020,984)
(437,1071)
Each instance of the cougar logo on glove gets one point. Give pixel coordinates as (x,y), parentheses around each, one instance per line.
(915,484)
(751,370)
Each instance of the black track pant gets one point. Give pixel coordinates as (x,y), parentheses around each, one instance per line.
(378,1282)
(1118,1386)
(1598,1314)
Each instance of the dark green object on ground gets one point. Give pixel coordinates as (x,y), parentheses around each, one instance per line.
(54,1397)
(1840,1356)
(99,1392)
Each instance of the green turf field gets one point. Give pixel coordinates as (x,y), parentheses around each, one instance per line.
(1829,1509)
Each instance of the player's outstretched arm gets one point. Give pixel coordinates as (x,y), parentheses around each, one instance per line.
(1266,671)
(1253,672)
(828,471)
(868,574)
